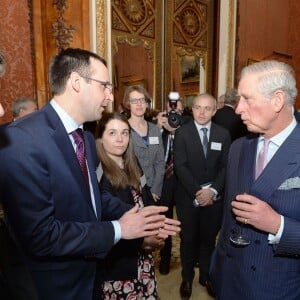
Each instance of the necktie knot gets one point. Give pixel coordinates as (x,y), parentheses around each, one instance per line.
(204,130)
(78,136)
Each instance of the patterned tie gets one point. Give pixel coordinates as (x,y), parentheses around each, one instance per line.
(170,161)
(262,158)
(80,153)
(205,140)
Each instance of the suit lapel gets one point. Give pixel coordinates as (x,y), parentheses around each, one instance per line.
(93,177)
(62,140)
(195,137)
(281,167)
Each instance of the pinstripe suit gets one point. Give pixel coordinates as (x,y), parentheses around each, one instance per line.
(151,157)
(260,270)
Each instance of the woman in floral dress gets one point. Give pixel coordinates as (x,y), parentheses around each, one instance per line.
(128,270)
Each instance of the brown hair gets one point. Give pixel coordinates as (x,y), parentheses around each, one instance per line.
(119,178)
(139,89)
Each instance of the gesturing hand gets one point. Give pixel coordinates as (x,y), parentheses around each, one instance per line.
(171,227)
(137,223)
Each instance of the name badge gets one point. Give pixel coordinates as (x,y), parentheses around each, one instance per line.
(216,146)
(153,140)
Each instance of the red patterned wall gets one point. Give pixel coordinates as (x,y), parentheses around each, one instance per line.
(16,46)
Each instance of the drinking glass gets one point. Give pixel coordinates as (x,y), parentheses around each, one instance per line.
(238,237)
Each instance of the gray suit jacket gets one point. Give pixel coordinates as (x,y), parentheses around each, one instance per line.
(151,157)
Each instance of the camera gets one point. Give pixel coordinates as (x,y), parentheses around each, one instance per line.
(174,118)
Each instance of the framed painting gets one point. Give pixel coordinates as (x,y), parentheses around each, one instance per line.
(189,68)
(251,61)
(188,99)
(134,80)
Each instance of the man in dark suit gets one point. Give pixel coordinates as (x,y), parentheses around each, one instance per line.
(227,118)
(51,197)
(200,156)
(262,192)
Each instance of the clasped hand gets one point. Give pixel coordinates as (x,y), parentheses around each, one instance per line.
(205,197)
(251,210)
(137,223)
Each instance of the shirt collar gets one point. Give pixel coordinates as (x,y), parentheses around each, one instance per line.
(69,123)
(279,138)
(208,126)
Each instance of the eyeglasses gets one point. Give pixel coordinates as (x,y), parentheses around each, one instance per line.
(136,100)
(106,84)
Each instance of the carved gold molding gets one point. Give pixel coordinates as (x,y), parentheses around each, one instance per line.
(61,33)
(230,45)
(101,27)
(132,41)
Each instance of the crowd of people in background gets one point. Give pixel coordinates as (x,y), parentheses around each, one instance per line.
(83,230)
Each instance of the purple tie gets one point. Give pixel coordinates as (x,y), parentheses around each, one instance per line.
(262,158)
(80,153)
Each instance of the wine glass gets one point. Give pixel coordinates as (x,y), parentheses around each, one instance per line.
(238,237)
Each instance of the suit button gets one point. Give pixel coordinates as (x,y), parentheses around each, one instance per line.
(253,268)
(257,242)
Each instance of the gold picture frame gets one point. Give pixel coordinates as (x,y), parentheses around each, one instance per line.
(251,61)
(133,80)
(189,66)
(188,99)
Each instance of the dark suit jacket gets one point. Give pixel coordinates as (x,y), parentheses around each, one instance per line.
(49,208)
(227,118)
(191,166)
(260,270)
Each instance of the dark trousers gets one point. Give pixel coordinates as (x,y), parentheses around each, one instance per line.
(199,229)
(167,199)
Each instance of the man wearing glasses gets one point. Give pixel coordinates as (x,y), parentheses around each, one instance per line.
(49,185)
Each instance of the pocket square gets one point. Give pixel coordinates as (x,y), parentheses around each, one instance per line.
(291,183)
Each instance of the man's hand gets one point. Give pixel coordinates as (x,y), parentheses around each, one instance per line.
(137,223)
(162,122)
(152,243)
(171,227)
(161,119)
(205,197)
(251,210)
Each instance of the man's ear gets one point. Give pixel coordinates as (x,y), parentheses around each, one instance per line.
(75,81)
(278,100)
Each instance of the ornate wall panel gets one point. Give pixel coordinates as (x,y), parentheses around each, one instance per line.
(57,24)
(136,43)
(190,36)
(15,44)
(168,55)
